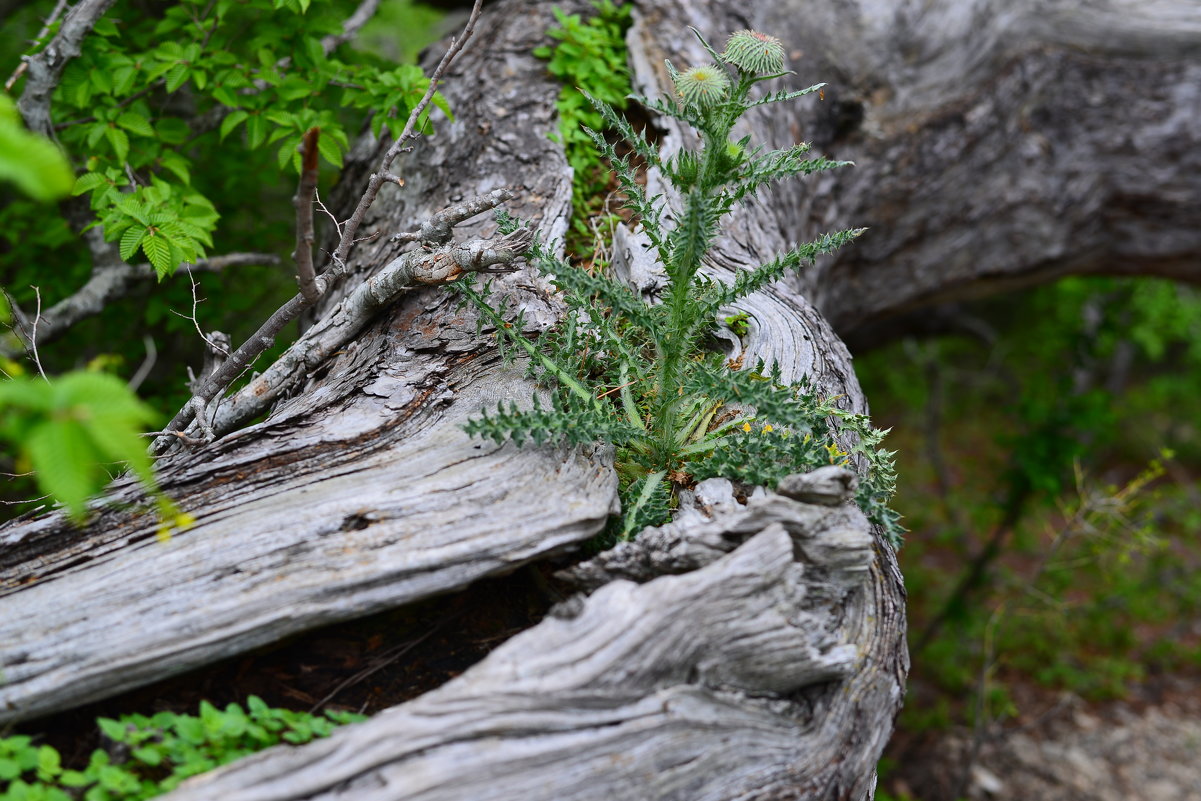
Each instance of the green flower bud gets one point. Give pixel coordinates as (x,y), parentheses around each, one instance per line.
(754,52)
(703,87)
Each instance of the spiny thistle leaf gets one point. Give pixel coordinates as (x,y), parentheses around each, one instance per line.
(620,124)
(748,281)
(640,375)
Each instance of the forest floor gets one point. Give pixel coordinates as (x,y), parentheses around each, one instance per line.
(1146,747)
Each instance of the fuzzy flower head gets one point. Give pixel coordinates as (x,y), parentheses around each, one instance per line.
(703,87)
(754,52)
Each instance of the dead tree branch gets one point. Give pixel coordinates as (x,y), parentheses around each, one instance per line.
(351,27)
(421,267)
(216,383)
(45,69)
(381,176)
(112,281)
(303,201)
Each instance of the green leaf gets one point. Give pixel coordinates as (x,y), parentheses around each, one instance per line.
(89,181)
(231,121)
(135,123)
(177,76)
(158,251)
(31,162)
(441,102)
(151,755)
(49,763)
(9,769)
(119,141)
(225,96)
(177,165)
(172,130)
(112,729)
(330,151)
(65,463)
(102,80)
(130,240)
(256,130)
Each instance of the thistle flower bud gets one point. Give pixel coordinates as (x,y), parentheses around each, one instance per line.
(751,51)
(703,87)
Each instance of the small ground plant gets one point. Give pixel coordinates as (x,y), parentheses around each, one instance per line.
(152,755)
(641,376)
(590,56)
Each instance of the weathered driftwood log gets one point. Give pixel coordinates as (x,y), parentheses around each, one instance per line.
(733,680)
(998,144)
(360,492)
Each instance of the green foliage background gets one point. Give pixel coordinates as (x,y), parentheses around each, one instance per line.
(1075,430)
(181,120)
(149,756)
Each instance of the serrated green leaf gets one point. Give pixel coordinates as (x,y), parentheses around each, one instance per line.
(158,251)
(225,96)
(118,140)
(64,463)
(231,121)
(330,151)
(133,207)
(177,76)
(123,79)
(286,151)
(102,80)
(96,133)
(130,241)
(88,181)
(282,118)
(177,165)
(135,123)
(256,130)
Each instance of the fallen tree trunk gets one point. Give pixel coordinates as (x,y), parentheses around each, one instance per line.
(774,668)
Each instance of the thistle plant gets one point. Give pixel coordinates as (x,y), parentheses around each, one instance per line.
(640,375)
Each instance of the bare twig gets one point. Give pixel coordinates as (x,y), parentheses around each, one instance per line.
(50,20)
(351,26)
(45,69)
(265,336)
(303,202)
(111,281)
(33,336)
(195,321)
(441,265)
(378,178)
(326,211)
(147,364)
(382,661)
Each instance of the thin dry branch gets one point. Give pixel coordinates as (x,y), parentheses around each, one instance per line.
(351,27)
(444,264)
(381,176)
(113,281)
(50,20)
(215,384)
(303,201)
(45,69)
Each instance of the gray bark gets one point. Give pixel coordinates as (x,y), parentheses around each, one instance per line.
(996,143)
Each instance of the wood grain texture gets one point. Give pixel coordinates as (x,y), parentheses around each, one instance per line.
(721,683)
(998,144)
